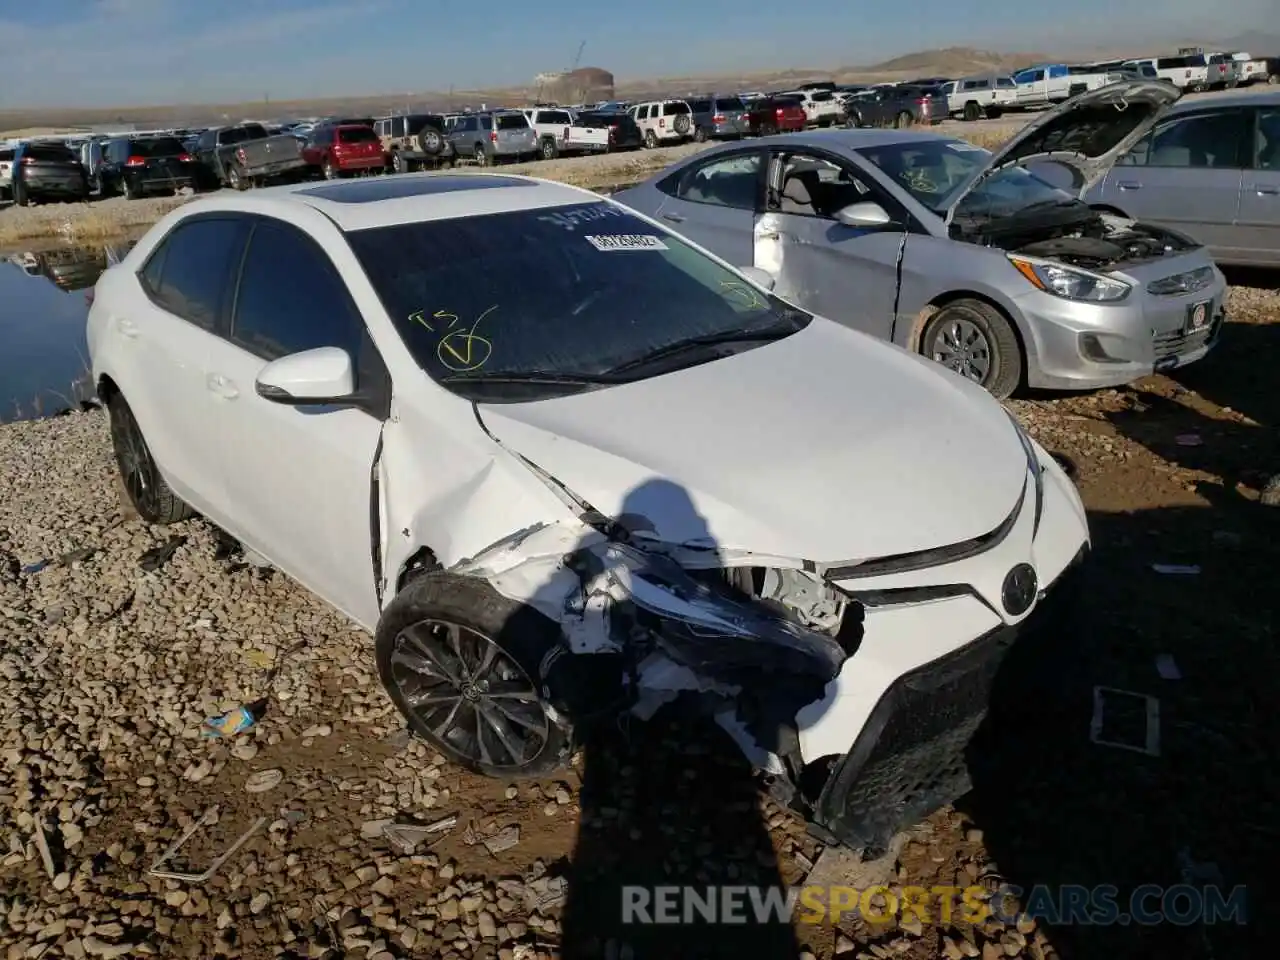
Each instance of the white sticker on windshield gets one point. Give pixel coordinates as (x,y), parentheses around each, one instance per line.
(627,241)
(962,147)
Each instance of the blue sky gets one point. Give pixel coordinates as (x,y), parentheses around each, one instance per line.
(118,52)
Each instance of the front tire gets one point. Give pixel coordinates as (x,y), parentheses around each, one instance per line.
(902,120)
(974,339)
(461,663)
(972,111)
(330,171)
(397,162)
(147,490)
(236,179)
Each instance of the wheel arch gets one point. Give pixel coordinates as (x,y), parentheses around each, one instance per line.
(951,296)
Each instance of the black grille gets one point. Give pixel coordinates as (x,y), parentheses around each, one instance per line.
(1176,342)
(910,759)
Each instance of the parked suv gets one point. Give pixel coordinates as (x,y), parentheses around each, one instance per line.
(136,166)
(718,118)
(336,151)
(6,171)
(898,107)
(769,115)
(47,171)
(659,120)
(412,140)
(489,138)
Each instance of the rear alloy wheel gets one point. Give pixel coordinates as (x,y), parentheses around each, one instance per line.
(145,487)
(650,139)
(236,179)
(548,149)
(974,339)
(461,663)
(330,171)
(972,111)
(482,156)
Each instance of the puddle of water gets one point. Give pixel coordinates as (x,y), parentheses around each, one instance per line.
(44,360)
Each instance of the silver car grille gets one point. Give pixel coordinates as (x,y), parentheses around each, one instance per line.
(1181,283)
(1175,343)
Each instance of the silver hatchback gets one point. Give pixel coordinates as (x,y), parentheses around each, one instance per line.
(957,254)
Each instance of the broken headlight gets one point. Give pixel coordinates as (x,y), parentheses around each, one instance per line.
(1070,283)
(1034,465)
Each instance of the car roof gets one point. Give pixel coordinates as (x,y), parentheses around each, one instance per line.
(836,139)
(368,202)
(1229,98)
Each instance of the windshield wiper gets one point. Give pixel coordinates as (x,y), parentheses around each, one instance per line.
(693,344)
(517,376)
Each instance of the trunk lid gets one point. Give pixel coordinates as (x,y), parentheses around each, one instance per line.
(1087,134)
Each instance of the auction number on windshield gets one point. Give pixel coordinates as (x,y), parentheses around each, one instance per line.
(459,348)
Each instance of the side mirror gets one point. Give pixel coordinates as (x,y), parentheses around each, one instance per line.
(761,278)
(320,376)
(863,214)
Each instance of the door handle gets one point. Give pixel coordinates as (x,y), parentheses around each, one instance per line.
(128,328)
(220,386)
(673,217)
(1129,185)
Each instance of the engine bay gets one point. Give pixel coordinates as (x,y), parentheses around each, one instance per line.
(1093,240)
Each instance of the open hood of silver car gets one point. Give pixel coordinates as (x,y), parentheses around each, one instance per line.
(1087,134)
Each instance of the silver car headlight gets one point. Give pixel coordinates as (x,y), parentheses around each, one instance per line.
(1070,283)
(1034,465)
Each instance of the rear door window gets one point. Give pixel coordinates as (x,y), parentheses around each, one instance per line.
(191,271)
(675,109)
(516,121)
(357,135)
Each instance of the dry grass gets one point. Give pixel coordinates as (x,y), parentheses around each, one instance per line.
(115,217)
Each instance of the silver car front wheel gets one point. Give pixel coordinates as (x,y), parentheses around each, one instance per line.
(975,340)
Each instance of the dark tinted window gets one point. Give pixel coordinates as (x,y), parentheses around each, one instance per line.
(730,103)
(486,123)
(158,147)
(51,152)
(357,135)
(700,106)
(198,258)
(513,121)
(554,116)
(554,292)
(291,298)
(674,109)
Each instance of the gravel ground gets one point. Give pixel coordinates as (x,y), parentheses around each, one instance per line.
(114,216)
(111,657)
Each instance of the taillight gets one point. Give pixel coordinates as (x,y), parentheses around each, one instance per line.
(718,118)
(779,112)
(493,137)
(136,162)
(241,155)
(28,161)
(184,158)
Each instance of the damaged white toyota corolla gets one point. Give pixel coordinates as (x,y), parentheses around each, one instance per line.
(565,465)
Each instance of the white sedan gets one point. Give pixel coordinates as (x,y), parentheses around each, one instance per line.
(562,464)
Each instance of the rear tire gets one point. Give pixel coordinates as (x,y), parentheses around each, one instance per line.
(972,111)
(147,490)
(974,339)
(650,140)
(329,170)
(699,135)
(127,189)
(461,664)
(482,156)
(236,179)
(1273,80)
(548,149)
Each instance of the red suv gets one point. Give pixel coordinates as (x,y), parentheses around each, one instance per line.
(344,148)
(775,115)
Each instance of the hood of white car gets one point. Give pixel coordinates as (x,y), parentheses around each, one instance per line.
(1087,134)
(826,446)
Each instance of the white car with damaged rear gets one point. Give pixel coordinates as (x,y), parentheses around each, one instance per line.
(564,464)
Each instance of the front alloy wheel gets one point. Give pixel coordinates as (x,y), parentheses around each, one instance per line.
(144,485)
(974,339)
(469,694)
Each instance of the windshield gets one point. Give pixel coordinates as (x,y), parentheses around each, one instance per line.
(513,306)
(357,135)
(512,121)
(1005,82)
(933,171)
(160,147)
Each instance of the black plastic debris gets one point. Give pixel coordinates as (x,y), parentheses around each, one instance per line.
(157,557)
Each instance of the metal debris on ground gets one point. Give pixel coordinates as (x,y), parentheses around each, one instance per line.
(546,893)
(1167,667)
(263,780)
(1149,743)
(406,837)
(1177,569)
(210,816)
(1189,440)
(157,557)
(495,843)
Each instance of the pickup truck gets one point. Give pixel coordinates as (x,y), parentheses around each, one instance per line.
(245,154)
(558,132)
(976,97)
(1056,83)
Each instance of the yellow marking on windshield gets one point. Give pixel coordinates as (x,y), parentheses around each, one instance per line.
(462,350)
(744,293)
